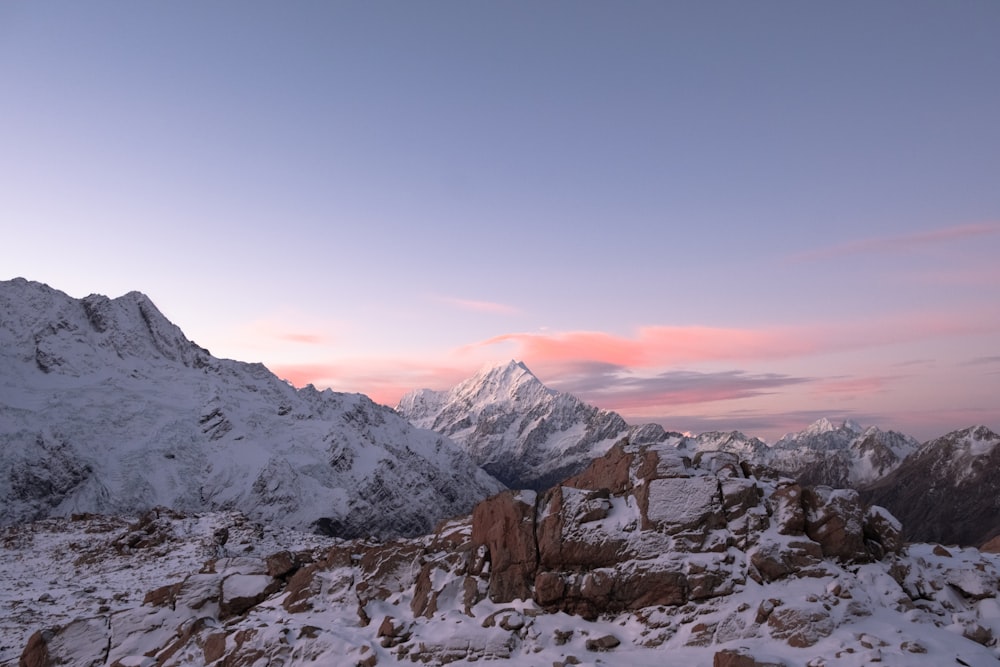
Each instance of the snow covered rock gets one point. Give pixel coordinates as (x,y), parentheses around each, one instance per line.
(427,600)
(106,407)
(671,532)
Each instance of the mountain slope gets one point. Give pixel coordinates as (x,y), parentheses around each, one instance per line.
(520,431)
(105,406)
(948,490)
(842,456)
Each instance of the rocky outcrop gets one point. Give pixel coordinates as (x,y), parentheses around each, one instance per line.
(621,535)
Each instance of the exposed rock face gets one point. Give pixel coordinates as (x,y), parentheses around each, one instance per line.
(946,491)
(591,550)
(523,433)
(106,407)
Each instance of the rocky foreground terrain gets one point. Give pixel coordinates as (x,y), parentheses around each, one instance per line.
(647,557)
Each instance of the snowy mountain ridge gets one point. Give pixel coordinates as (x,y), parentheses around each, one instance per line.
(105,406)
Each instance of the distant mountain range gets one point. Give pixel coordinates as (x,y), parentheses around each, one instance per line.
(530,436)
(105,406)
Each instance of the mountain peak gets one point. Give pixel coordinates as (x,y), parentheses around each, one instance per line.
(825,425)
(504,382)
(513,370)
(522,432)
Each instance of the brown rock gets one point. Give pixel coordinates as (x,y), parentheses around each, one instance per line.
(738,495)
(991,546)
(164,596)
(701,634)
(470,594)
(978,634)
(605,643)
(549,588)
(241,592)
(786,509)
(505,523)
(214,647)
(386,569)
(800,627)
(424,602)
(648,587)
(36,652)
(562,544)
(835,519)
(610,471)
(732,658)
(884,530)
(280,564)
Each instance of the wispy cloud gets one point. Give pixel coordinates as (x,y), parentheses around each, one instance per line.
(982,361)
(619,389)
(854,386)
(479,306)
(902,241)
(302,337)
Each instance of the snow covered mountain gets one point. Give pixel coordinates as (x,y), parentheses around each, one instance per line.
(105,406)
(948,490)
(840,455)
(520,431)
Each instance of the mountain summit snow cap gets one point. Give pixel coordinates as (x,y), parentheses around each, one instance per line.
(824,425)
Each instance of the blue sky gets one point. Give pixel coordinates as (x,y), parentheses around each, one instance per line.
(381,196)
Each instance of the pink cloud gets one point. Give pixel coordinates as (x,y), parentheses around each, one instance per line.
(664,346)
(479,306)
(308,338)
(903,241)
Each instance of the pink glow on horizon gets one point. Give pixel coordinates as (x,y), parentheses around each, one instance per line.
(655,371)
(384,382)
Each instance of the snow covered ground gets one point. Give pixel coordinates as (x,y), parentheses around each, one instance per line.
(55,571)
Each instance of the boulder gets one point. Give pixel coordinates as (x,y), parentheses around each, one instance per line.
(835,519)
(505,524)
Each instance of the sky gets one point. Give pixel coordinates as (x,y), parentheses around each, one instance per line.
(711,215)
